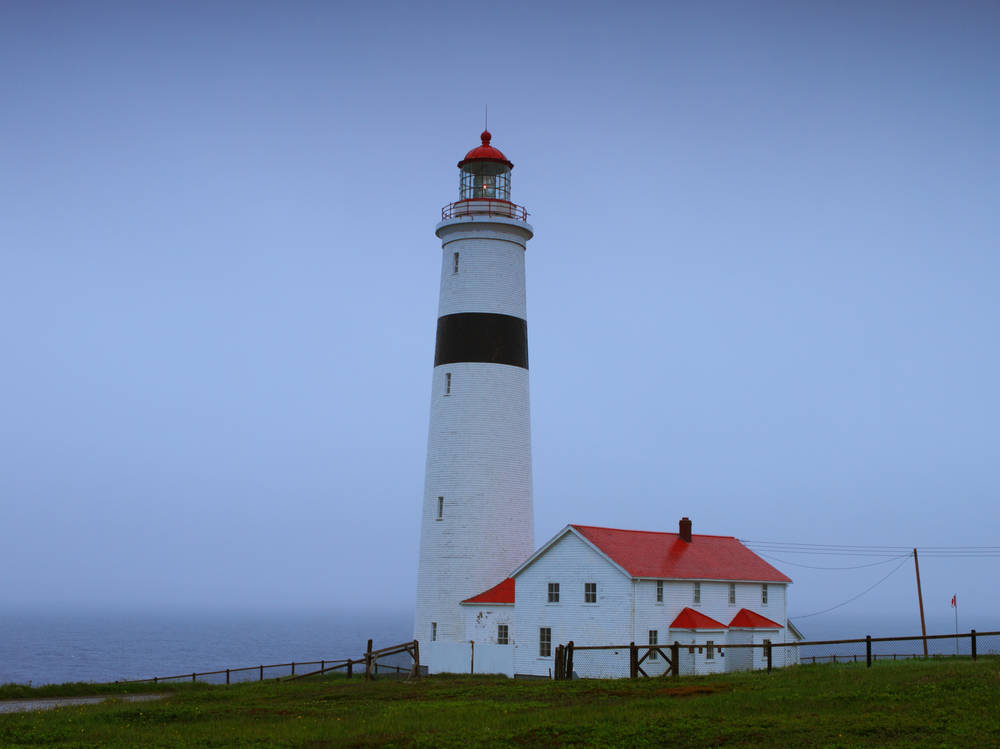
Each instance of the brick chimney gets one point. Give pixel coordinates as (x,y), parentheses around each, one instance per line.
(685,529)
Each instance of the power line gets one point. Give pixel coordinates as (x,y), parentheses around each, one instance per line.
(849,600)
(890,552)
(851,567)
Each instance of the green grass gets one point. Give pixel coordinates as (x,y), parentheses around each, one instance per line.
(951,703)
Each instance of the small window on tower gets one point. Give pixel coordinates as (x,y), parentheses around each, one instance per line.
(447,383)
(434,630)
(502,635)
(440,508)
(455,269)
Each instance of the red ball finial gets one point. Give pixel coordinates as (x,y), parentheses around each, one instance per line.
(486,136)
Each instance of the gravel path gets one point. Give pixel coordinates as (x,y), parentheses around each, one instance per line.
(23,706)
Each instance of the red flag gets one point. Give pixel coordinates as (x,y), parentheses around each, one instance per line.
(954,603)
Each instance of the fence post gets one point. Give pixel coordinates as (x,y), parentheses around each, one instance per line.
(322,665)
(368,662)
(350,668)
(416,659)
(262,672)
(633,661)
(194,677)
(868,650)
(472,656)
(675,656)
(973,643)
(569,660)
(767,652)
(227,677)
(293,668)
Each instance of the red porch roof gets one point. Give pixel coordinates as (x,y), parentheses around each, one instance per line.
(500,593)
(691,619)
(652,554)
(752,620)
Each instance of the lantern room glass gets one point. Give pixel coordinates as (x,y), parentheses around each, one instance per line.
(485,180)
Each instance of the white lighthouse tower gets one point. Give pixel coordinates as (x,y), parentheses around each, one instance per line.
(477,519)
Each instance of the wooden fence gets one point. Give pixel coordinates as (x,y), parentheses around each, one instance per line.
(369,659)
(564,654)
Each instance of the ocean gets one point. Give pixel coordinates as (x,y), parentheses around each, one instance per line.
(54,647)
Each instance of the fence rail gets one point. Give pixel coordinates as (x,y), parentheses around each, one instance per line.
(699,657)
(370,659)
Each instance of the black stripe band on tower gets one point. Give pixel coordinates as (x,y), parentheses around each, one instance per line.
(481,337)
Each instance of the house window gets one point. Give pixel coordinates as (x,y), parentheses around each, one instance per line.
(502,634)
(434,630)
(710,650)
(553,592)
(447,383)
(590,592)
(659,591)
(654,636)
(455,269)
(697,592)
(763,594)
(732,593)
(440,508)
(545,642)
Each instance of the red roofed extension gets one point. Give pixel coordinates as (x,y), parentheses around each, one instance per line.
(748,619)
(651,554)
(501,593)
(691,619)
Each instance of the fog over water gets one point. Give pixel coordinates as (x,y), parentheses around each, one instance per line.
(761,292)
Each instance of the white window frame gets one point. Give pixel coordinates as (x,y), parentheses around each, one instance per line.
(434,631)
(503,634)
(763,594)
(447,383)
(732,594)
(697,593)
(440,512)
(590,592)
(654,636)
(545,642)
(659,591)
(710,650)
(455,268)
(553,593)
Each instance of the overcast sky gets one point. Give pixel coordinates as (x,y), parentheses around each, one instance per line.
(763,290)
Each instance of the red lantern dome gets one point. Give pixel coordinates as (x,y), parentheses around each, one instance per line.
(485,152)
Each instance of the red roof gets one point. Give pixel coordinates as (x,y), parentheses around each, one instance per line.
(501,593)
(752,620)
(691,619)
(652,554)
(485,152)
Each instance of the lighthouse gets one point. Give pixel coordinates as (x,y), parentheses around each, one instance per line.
(477,521)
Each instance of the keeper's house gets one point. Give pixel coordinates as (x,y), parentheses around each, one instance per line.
(604,586)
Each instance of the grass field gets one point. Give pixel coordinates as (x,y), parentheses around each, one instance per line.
(944,703)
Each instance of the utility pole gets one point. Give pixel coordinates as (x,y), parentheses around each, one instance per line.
(920,600)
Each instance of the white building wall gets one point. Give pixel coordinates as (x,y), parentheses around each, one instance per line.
(479,438)
(571,563)
(490,275)
(481,622)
